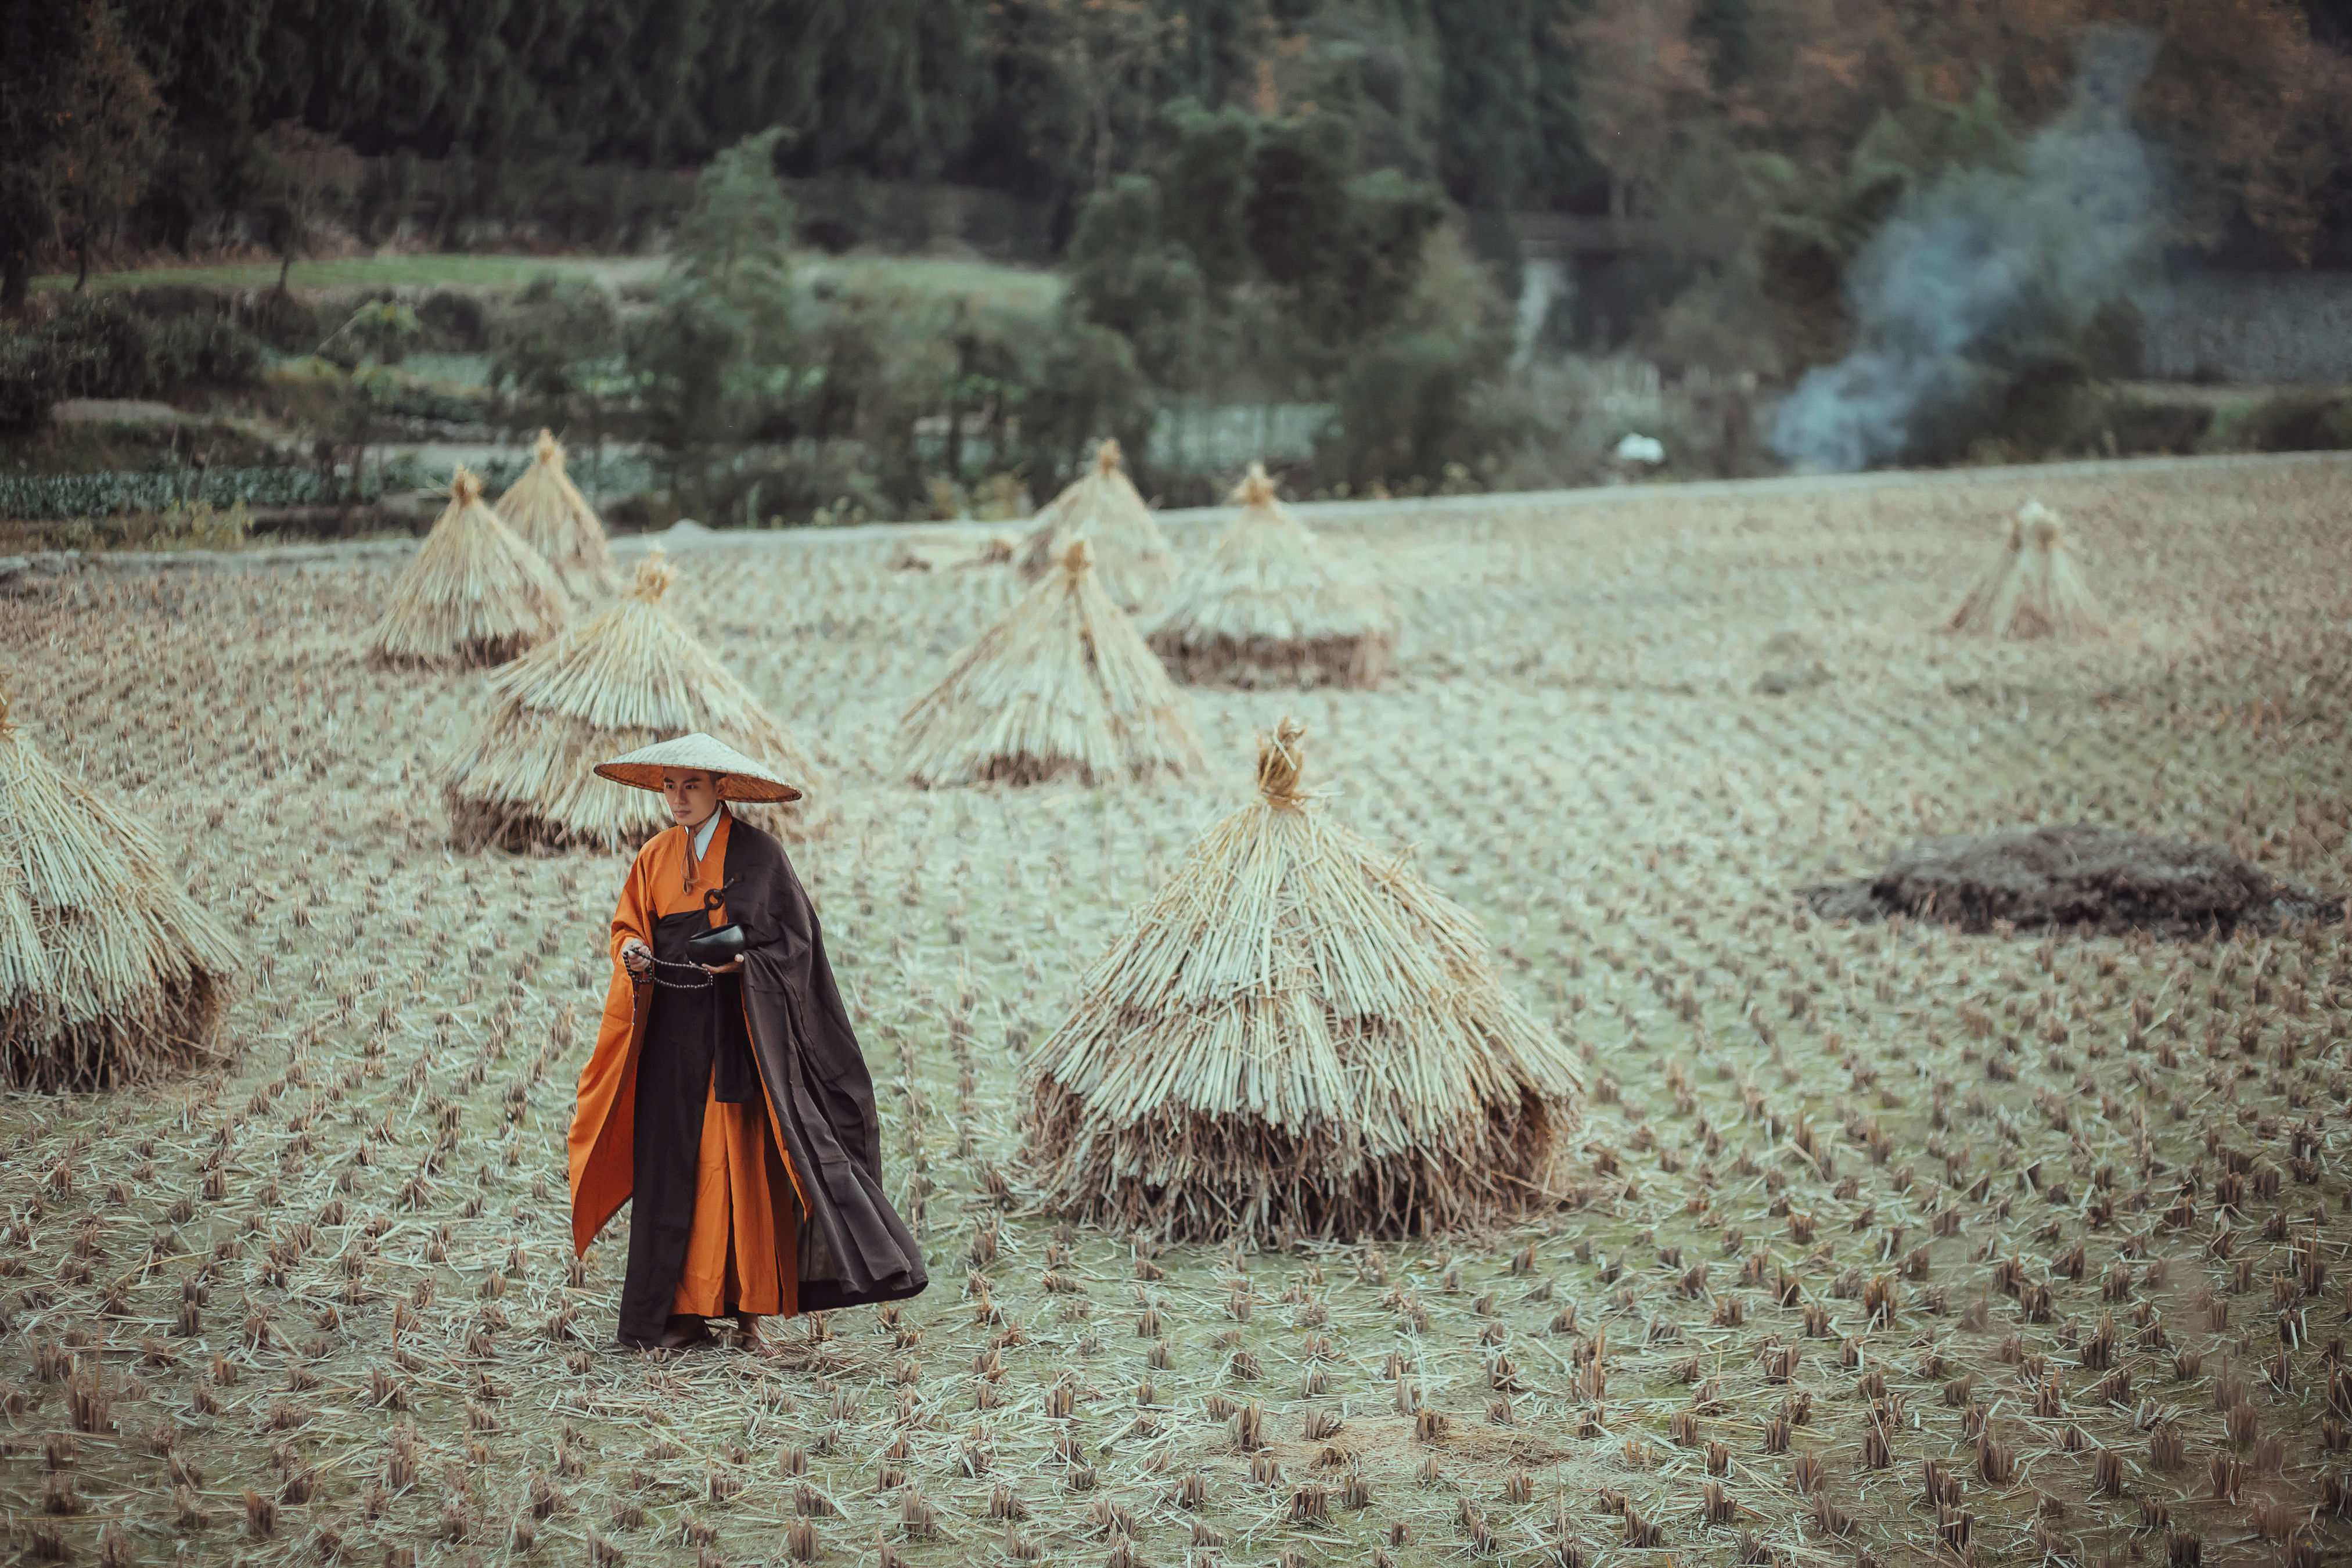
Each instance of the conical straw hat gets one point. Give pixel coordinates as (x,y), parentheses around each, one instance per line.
(548,512)
(1270,607)
(473,595)
(1296,1034)
(1103,507)
(745,780)
(110,973)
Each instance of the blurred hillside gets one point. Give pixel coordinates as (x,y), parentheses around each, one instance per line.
(1563,105)
(1395,244)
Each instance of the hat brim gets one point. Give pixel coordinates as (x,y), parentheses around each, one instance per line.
(748,788)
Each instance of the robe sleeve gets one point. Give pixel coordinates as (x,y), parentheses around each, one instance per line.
(634,916)
(599,1146)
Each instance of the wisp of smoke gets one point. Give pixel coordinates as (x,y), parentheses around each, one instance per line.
(1982,259)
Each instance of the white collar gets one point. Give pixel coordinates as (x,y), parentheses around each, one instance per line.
(702,834)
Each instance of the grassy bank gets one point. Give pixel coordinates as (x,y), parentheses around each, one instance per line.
(981,281)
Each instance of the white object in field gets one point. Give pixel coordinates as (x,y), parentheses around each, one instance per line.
(1642,449)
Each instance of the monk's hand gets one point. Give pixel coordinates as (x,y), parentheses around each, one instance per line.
(638,957)
(732,966)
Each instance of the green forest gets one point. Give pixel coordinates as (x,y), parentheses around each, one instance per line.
(1304,208)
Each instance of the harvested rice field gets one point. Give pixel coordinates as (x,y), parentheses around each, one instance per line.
(1878,1240)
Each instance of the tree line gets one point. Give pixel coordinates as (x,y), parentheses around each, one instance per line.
(156,118)
(147,122)
(1255,202)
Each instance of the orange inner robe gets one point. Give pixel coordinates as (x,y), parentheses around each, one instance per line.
(743,1254)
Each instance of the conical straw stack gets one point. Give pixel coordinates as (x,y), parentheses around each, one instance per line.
(2035,590)
(1062,687)
(1103,507)
(1296,1037)
(110,973)
(474,595)
(1268,607)
(548,512)
(630,676)
(1975,609)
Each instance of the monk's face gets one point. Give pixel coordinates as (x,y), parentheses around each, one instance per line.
(692,797)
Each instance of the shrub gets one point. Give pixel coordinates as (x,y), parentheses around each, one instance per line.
(402,395)
(177,344)
(210,349)
(379,329)
(454,323)
(101,348)
(690,359)
(283,320)
(835,479)
(1126,277)
(2124,422)
(177,525)
(1087,386)
(1404,410)
(27,381)
(549,341)
(162,303)
(2289,422)
(181,526)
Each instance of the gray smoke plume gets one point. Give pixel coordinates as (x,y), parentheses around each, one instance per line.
(1981,262)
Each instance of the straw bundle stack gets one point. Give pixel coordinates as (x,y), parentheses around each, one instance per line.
(1062,685)
(1296,1036)
(951,550)
(474,595)
(1131,554)
(2033,588)
(548,512)
(1267,608)
(109,974)
(628,678)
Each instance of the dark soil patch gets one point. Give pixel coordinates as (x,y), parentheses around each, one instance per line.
(2077,875)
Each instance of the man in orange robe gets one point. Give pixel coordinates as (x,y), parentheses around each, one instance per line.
(699,1106)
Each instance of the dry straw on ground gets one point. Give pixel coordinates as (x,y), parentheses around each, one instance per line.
(628,678)
(2033,588)
(1268,606)
(1297,1036)
(952,550)
(1063,686)
(1102,507)
(548,512)
(473,595)
(1845,1195)
(110,973)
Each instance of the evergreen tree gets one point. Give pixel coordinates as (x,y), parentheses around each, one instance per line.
(733,242)
(305,171)
(1507,134)
(209,61)
(1128,274)
(81,127)
(1726,26)
(1214,49)
(1299,196)
(1204,183)
(886,87)
(723,331)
